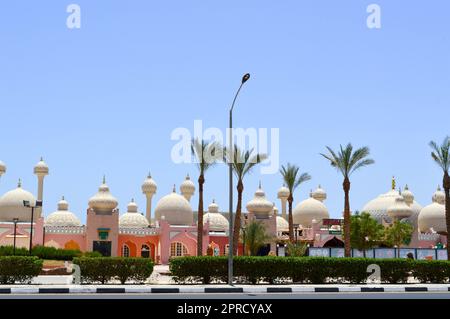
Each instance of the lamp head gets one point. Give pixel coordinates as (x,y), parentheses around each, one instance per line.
(245,78)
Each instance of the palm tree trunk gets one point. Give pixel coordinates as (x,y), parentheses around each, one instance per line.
(291,220)
(237,218)
(447,209)
(201,181)
(346,186)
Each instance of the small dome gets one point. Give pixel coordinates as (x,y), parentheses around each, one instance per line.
(217,222)
(149,186)
(133,219)
(62,217)
(439,196)
(103,200)
(259,205)
(275,209)
(283,192)
(41,168)
(400,209)
(187,187)
(408,196)
(11,205)
(2,168)
(319,194)
(308,210)
(432,217)
(175,209)
(282,224)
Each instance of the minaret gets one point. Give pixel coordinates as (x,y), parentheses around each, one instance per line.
(283,194)
(149,189)
(187,188)
(2,168)
(41,170)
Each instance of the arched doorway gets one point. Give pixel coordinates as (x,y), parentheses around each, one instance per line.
(125,251)
(145,251)
(334,243)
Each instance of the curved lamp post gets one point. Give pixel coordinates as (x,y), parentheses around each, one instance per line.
(230,164)
(28,204)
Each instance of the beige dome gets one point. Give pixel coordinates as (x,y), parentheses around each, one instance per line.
(432,217)
(41,168)
(149,186)
(439,196)
(283,192)
(217,222)
(2,168)
(103,200)
(187,188)
(259,205)
(309,209)
(175,209)
(319,194)
(62,217)
(408,196)
(400,209)
(282,224)
(133,219)
(11,205)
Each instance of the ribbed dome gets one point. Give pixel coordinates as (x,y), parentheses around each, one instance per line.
(439,196)
(309,209)
(433,215)
(217,222)
(62,217)
(133,219)
(283,192)
(149,186)
(400,209)
(41,168)
(187,188)
(103,200)
(259,205)
(2,168)
(319,194)
(408,196)
(175,209)
(282,224)
(11,205)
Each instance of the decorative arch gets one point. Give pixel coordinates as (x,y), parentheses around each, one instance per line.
(334,243)
(129,248)
(52,243)
(71,244)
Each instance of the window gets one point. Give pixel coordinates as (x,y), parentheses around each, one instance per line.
(125,251)
(227,248)
(177,250)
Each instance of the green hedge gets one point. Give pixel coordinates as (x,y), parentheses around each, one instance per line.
(316,270)
(105,269)
(19,269)
(42,252)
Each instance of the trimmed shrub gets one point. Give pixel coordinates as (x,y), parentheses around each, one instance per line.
(105,269)
(427,271)
(41,252)
(19,269)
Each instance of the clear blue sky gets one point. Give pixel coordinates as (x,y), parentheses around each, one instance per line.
(104,99)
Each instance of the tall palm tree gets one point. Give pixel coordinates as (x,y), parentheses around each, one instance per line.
(441,155)
(256,237)
(348,161)
(243,163)
(206,155)
(293,179)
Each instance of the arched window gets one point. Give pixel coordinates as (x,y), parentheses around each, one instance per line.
(226,249)
(125,251)
(177,249)
(145,251)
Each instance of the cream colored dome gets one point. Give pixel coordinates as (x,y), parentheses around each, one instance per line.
(217,222)
(149,186)
(41,168)
(2,168)
(62,217)
(319,194)
(408,196)
(283,192)
(282,224)
(11,205)
(103,200)
(309,209)
(400,209)
(133,219)
(432,217)
(175,209)
(187,187)
(259,205)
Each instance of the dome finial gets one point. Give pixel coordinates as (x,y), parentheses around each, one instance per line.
(104,179)
(62,198)
(259,184)
(42,159)
(19,184)
(214,200)
(149,175)
(394,185)
(187,176)
(406,187)
(439,188)
(174,189)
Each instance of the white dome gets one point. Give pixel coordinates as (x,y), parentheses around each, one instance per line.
(408,196)
(175,209)
(149,186)
(439,196)
(41,168)
(103,200)
(309,209)
(62,217)
(432,217)
(11,205)
(259,205)
(283,192)
(2,168)
(282,224)
(319,194)
(187,188)
(400,209)
(133,219)
(217,222)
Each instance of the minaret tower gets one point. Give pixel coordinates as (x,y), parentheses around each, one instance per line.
(41,170)
(187,188)
(149,188)
(283,194)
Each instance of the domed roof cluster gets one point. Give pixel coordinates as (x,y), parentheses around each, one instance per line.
(132,218)
(62,217)
(217,222)
(311,209)
(11,205)
(103,200)
(260,206)
(174,209)
(432,217)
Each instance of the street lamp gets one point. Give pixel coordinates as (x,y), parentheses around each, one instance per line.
(230,164)
(27,203)
(296,232)
(243,235)
(15,220)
